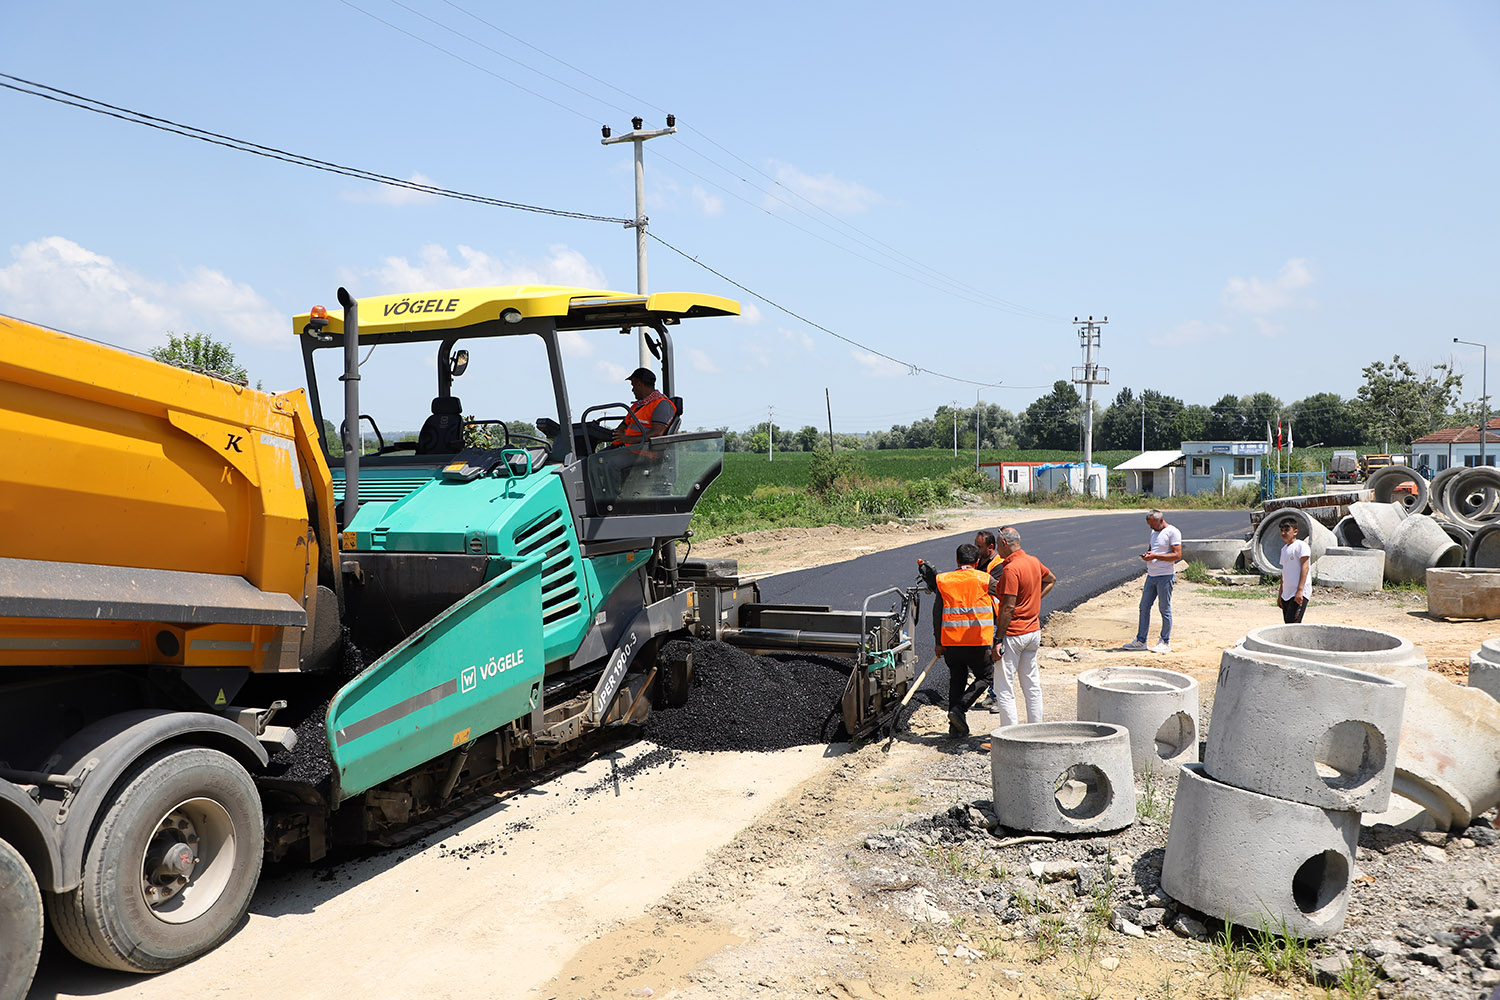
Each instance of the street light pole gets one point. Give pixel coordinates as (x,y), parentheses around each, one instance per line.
(1484,394)
(639,136)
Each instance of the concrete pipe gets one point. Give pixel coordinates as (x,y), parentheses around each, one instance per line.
(1377,522)
(1304,731)
(1158,708)
(1449,758)
(1463,536)
(1342,645)
(1339,498)
(1347,533)
(1256,860)
(1484,668)
(1484,547)
(1384,482)
(1062,777)
(1418,544)
(1472,496)
(1463,593)
(1358,570)
(1265,547)
(1213,553)
(1437,490)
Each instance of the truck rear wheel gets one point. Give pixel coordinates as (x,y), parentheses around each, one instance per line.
(171,868)
(20,924)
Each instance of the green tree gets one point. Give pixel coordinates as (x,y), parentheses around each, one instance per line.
(1191,424)
(1259,409)
(997,426)
(1225,420)
(1162,417)
(1119,427)
(1397,404)
(1326,418)
(200,352)
(1053,420)
(807,438)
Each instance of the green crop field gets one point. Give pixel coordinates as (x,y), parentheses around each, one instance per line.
(744,471)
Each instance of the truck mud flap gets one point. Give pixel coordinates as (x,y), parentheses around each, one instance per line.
(472,669)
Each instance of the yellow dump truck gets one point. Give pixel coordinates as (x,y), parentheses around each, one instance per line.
(166,538)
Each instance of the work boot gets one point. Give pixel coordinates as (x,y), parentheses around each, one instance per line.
(987,702)
(958,726)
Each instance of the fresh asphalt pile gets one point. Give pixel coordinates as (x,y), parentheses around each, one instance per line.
(738,702)
(745,702)
(308,762)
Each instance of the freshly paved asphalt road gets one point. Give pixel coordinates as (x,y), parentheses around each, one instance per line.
(1088,555)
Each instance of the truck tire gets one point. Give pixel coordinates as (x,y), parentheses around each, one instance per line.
(171,868)
(20,924)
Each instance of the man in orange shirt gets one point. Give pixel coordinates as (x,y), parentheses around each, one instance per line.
(1022,584)
(990,561)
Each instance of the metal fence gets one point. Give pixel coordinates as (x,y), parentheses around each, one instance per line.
(1291,484)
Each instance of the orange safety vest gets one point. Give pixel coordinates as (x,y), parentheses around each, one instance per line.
(638,421)
(996,564)
(968,614)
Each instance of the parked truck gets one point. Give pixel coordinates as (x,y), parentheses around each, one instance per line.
(193,574)
(1344,467)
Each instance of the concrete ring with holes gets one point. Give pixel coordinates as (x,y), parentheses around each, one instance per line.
(1304,731)
(1484,668)
(1159,708)
(1062,777)
(1259,861)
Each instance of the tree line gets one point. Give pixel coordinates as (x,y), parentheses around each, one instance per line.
(1396,404)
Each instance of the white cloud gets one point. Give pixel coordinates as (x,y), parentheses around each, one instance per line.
(875,365)
(798,338)
(750,314)
(436,268)
(709,205)
(702,362)
(612,371)
(1193,331)
(57,282)
(830,192)
(1255,295)
(386,194)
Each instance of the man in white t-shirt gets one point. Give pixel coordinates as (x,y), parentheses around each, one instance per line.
(1296,573)
(1161,556)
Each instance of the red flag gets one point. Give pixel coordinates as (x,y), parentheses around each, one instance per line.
(1278,433)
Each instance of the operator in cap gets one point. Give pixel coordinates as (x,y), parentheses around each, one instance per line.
(649,416)
(632,468)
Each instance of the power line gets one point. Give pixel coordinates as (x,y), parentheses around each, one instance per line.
(871,243)
(275,153)
(913,368)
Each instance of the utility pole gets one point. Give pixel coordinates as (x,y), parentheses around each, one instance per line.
(955,428)
(638,136)
(976,430)
(1090,375)
(829,402)
(770,434)
(1143,421)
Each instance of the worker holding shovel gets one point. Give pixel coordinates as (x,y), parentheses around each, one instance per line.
(963,626)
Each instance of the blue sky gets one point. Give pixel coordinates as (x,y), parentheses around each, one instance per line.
(1259,196)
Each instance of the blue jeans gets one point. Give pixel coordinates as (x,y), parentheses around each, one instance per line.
(1158,588)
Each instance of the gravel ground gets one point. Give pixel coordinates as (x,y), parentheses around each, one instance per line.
(1424,908)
